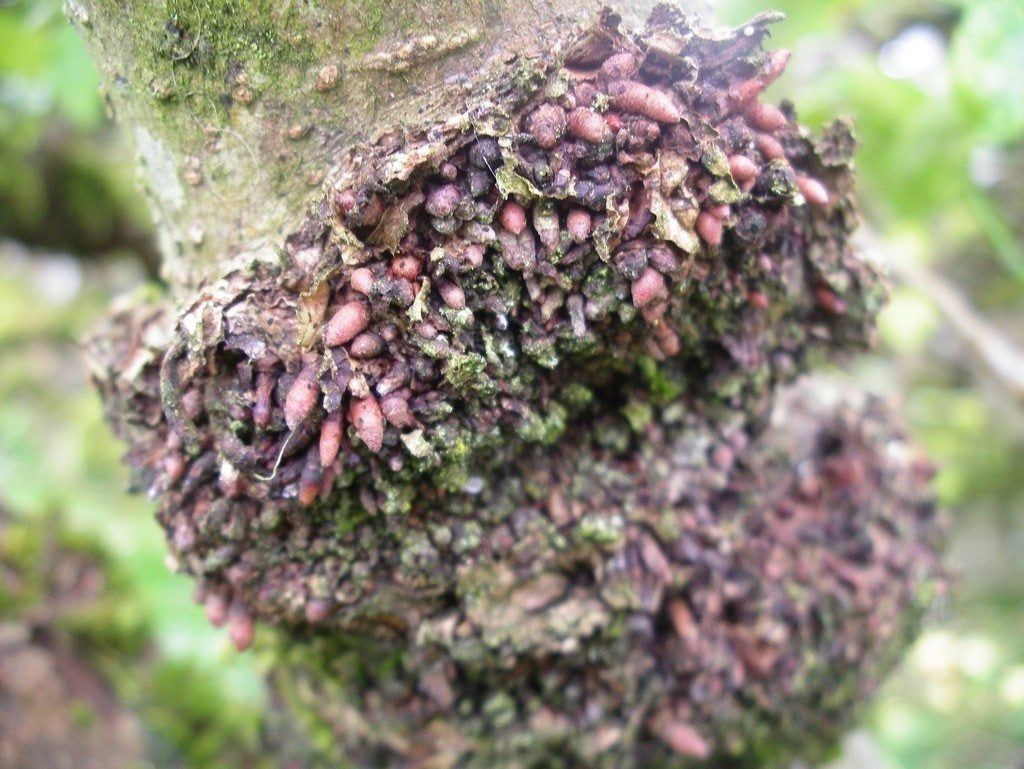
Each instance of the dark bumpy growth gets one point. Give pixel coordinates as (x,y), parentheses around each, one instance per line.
(470,292)
(680,591)
(489,411)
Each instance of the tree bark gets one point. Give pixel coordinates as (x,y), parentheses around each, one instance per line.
(238,107)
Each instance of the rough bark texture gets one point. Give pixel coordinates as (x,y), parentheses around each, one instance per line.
(238,107)
(492,415)
(714,601)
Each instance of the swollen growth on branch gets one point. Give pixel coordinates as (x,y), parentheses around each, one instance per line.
(498,430)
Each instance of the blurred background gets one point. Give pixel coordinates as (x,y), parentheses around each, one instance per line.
(100,645)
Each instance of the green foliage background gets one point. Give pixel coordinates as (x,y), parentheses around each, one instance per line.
(937,89)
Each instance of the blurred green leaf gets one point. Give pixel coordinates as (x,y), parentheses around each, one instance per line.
(988,62)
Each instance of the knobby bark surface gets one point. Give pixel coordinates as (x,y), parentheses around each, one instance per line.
(239,107)
(480,316)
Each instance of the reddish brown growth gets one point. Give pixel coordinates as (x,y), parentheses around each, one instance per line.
(346,324)
(547,125)
(667,340)
(641,99)
(407,267)
(719,210)
(442,201)
(318,610)
(368,420)
(649,287)
(588,125)
(240,626)
(453,295)
(261,407)
(216,609)
(496,306)
(330,438)
(345,201)
(766,117)
(302,396)
(620,66)
(366,345)
(470,283)
(578,224)
(758,299)
(362,280)
(395,408)
(745,92)
(775,65)
(742,168)
(684,739)
(513,217)
(709,227)
(310,480)
(770,147)
(829,301)
(174,467)
(812,190)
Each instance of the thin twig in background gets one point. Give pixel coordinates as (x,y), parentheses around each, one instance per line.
(998,233)
(993,348)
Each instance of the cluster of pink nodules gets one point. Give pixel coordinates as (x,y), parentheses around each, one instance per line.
(350,325)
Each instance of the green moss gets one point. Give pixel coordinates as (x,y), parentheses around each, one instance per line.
(638,414)
(545,429)
(465,372)
(662,387)
(601,530)
(576,395)
(543,350)
(194,51)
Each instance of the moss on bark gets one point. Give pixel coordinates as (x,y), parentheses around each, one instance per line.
(236,107)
